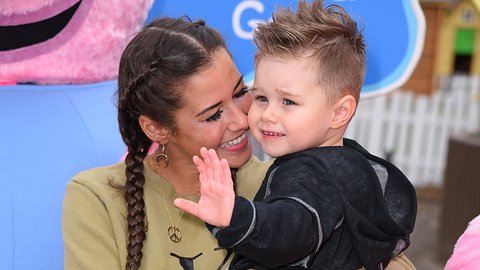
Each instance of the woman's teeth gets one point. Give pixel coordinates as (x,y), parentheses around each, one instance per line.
(235,141)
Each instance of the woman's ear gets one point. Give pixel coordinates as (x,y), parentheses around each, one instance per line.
(344,110)
(153,130)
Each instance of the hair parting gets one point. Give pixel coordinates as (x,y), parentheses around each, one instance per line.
(154,67)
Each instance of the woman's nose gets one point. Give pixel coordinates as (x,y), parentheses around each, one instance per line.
(239,119)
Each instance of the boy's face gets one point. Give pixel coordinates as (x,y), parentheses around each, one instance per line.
(290,111)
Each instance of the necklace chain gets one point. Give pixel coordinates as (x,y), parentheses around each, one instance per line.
(174,232)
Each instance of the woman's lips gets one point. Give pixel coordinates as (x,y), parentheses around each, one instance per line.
(236,144)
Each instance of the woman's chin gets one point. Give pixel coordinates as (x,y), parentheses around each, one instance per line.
(237,158)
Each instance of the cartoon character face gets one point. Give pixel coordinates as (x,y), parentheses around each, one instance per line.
(66,41)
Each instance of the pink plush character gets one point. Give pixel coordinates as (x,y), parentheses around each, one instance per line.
(466,255)
(65,41)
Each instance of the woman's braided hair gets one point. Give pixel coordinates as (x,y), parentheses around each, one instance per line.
(154,67)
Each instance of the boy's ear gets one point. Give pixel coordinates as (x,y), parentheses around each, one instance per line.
(154,130)
(344,110)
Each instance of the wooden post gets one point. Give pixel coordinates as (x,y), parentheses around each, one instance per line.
(461,201)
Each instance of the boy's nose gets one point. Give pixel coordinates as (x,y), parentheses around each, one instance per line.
(269,114)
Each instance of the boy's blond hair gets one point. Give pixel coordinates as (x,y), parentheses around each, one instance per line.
(327,35)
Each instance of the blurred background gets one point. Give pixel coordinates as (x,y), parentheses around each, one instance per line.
(429,128)
(420,105)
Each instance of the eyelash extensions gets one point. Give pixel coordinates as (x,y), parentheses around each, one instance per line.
(218,113)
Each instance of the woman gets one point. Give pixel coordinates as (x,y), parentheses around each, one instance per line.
(178,87)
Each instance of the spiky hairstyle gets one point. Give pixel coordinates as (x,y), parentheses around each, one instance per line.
(327,35)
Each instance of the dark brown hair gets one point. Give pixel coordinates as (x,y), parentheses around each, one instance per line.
(328,35)
(154,66)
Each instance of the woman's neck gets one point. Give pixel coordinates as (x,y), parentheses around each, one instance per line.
(183,176)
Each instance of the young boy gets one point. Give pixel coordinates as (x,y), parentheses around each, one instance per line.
(325,203)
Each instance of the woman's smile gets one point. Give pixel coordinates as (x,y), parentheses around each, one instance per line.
(235,144)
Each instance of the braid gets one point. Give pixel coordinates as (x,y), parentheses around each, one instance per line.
(138,145)
(153,69)
(135,208)
(142,77)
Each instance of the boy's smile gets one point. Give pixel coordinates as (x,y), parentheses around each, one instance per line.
(290,111)
(269,135)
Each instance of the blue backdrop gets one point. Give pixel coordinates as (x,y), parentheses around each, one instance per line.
(394,32)
(49,133)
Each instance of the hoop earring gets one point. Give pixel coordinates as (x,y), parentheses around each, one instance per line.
(162,156)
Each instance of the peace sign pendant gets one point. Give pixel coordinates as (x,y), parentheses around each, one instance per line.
(175,234)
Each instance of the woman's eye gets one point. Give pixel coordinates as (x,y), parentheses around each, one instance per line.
(215,116)
(288,102)
(242,92)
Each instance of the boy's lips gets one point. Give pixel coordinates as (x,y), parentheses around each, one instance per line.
(272,134)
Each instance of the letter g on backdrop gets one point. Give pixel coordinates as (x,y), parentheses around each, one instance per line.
(59,60)
(394,32)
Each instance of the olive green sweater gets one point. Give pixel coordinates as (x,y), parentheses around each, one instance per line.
(94,223)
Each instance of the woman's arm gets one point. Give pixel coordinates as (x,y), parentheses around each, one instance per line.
(401,262)
(87,231)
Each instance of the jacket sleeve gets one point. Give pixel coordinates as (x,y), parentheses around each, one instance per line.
(288,226)
(87,231)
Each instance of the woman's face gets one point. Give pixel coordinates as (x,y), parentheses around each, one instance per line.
(216,102)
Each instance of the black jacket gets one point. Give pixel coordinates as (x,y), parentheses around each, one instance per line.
(323,208)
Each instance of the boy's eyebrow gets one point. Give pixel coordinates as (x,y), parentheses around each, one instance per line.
(286,93)
(218,103)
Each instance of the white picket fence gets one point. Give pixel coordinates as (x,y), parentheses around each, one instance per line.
(413,131)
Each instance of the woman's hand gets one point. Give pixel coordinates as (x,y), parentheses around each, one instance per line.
(217,197)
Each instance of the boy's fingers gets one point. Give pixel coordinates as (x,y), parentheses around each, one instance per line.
(199,163)
(216,167)
(202,177)
(208,162)
(226,172)
(186,205)
(204,152)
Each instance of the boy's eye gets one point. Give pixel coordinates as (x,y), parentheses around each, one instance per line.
(242,92)
(288,102)
(215,116)
(261,98)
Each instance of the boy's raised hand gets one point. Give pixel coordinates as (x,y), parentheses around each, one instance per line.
(216,190)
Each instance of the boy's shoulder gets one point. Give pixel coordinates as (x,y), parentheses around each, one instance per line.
(351,152)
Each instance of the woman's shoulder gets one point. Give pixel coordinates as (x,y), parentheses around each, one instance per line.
(254,168)
(94,189)
(99,177)
(250,176)
(256,163)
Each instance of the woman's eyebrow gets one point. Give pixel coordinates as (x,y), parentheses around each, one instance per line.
(218,103)
(238,83)
(209,108)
